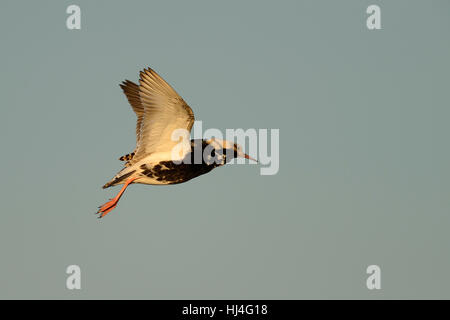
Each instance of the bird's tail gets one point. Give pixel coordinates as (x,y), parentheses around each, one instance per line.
(108,184)
(119,178)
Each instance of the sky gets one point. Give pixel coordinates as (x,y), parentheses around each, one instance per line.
(363,173)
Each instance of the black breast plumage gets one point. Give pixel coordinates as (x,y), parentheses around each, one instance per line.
(200,160)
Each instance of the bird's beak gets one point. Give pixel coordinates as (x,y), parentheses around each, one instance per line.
(246,156)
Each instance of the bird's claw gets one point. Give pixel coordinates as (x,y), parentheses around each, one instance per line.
(107,207)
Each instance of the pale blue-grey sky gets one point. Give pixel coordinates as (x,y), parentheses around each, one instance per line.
(364,160)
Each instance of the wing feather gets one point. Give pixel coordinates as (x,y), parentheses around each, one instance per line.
(131,91)
(163,112)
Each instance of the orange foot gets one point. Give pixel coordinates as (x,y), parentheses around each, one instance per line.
(112,203)
(107,207)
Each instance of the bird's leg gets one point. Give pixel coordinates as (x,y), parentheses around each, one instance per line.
(112,203)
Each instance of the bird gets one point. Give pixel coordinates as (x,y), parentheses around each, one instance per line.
(160,111)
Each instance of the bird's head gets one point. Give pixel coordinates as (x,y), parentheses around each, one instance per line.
(228,149)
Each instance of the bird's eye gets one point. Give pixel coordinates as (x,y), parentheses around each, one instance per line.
(213,153)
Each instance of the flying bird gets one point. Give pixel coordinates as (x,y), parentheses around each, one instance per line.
(155,160)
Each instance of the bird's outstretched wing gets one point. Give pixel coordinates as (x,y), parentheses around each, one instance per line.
(163,112)
(131,91)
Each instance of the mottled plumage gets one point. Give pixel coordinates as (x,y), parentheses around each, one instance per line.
(160,111)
